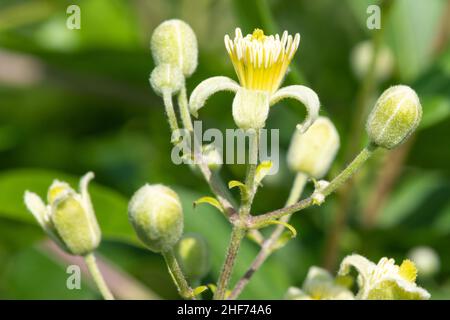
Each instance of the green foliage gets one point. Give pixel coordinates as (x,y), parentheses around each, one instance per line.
(84,103)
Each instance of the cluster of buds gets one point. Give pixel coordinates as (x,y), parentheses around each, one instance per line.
(175,52)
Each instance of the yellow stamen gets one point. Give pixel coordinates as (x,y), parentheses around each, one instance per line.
(408,270)
(261,61)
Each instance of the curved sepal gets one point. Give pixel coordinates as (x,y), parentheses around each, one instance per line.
(306,96)
(207,88)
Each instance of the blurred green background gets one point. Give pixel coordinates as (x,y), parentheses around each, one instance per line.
(78,100)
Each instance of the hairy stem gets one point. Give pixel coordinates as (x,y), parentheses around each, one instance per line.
(170,112)
(237,235)
(184,110)
(352,168)
(178,277)
(266,247)
(97,276)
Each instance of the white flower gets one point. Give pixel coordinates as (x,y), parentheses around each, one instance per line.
(319,285)
(384,280)
(261,63)
(68,218)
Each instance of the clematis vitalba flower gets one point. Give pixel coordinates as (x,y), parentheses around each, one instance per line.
(69,217)
(260,62)
(319,285)
(385,280)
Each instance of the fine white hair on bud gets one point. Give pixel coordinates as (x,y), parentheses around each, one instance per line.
(69,217)
(156,214)
(313,152)
(166,78)
(251,108)
(193,254)
(174,42)
(396,115)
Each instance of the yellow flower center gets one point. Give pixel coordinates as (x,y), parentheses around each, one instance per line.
(258,34)
(261,61)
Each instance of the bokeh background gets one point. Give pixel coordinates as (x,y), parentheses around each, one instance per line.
(78,100)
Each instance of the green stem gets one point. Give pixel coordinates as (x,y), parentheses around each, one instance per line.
(184,110)
(177,275)
(261,220)
(237,235)
(170,112)
(247,198)
(97,276)
(266,247)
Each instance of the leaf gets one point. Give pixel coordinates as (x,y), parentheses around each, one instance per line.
(407,197)
(200,290)
(419,18)
(285,224)
(209,200)
(242,187)
(110,207)
(435,110)
(262,171)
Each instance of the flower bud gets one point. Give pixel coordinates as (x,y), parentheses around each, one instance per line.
(69,218)
(157,216)
(175,43)
(395,116)
(426,260)
(193,255)
(362,55)
(250,108)
(313,152)
(166,77)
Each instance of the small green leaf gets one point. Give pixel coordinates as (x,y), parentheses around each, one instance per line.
(200,290)
(209,200)
(262,170)
(285,224)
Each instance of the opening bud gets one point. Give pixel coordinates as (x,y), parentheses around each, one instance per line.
(394,118)
(193,255)
(175,43)
(313,152)
(69,218)
(166,78)
(156,215)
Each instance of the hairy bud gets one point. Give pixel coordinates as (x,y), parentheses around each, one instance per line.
(69,218)
(394,118)
(166,78)
(157,216)
(313,152)
(192,252)
(175,43)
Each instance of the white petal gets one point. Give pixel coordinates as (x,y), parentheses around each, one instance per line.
(37,207)
(207,88)
(295,293)
(84,182)
(364,267)
(306,96)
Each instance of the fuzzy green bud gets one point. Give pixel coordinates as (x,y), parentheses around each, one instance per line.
(69,218)
(313,152)
(394,118)
(192,252)
(175,43)
(166,78)
(250,108)
(156,214)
